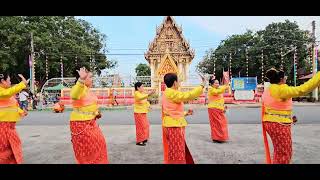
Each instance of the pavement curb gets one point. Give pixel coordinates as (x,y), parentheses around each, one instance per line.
(194,106)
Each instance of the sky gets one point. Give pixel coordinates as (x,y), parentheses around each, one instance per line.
(132,34)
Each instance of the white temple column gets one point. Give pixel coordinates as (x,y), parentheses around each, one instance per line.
(180,68)
(152,71)
(186,71)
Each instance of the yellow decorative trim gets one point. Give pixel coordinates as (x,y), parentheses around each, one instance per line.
(167,66)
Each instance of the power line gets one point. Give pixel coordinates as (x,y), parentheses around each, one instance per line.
(129,49)
(145,49)
(206,42)
(96,54)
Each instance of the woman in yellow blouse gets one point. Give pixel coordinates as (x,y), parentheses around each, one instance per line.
(88,142)
(10,114)
(277,113)
(173,120)
(218,120)
(141,108)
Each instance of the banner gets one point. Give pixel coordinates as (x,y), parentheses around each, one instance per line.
(246,83)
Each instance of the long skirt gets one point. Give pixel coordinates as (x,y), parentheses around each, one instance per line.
(175,148)
(89,144)
(280,135)
(142,127)
(10,144)
(218,124)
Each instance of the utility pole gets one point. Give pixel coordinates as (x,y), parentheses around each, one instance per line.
(281,66)
(32,78)
(314,62)
(61,68)
(262,68)
(295,67)
(230,62)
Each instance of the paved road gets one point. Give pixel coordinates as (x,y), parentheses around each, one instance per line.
(243,115)
(52,145)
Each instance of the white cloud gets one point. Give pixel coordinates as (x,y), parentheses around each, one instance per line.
(228,25)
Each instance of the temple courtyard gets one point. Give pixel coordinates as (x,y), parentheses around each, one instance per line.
(46,137)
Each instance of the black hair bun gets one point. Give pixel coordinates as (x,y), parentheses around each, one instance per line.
(273,76)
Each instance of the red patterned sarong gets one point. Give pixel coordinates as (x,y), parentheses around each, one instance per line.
(281,139)
(218,124)
(142,127)
(10,144)
(88,142)
(175,148)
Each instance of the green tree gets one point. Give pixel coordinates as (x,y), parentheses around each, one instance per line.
(234,46)
(276,36)
(54,37)
(143,70)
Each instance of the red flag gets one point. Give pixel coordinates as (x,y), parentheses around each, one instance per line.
(225,78)
(226,81)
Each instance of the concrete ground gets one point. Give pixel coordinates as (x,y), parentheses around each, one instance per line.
(45,144)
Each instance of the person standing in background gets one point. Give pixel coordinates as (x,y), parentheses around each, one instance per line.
(23,98)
